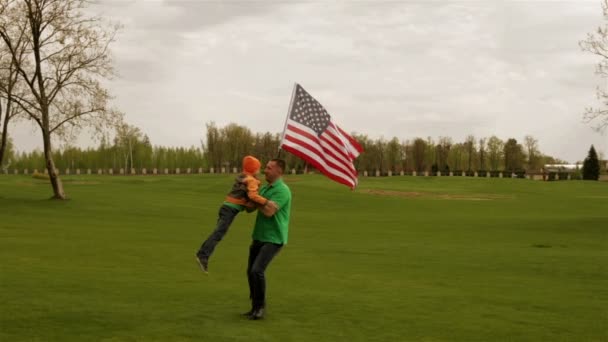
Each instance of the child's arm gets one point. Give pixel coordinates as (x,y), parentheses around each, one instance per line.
(252,191)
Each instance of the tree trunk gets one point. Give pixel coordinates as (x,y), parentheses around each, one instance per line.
(7,117)
(131,166)
(4,137)
(58,192)
(4,141)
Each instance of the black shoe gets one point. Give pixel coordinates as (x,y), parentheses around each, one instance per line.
(248,313)
(257,314)
(203,263)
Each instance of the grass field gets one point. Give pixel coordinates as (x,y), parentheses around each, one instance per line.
(400,259)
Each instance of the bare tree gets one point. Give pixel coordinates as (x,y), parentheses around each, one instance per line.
(469,145)
(8,110)
(443,151)
(514,155)
(455,156)
(408,153)
(597,44)
(419,151)
(393,154)
(531,145)
(482,154)
(213,148)
(429,154)
(239,141)
(126,138)
(378,154)
(9,78)
(495,152)
(66,58)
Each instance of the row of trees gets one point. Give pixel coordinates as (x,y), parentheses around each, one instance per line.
(224,147)
(443,154)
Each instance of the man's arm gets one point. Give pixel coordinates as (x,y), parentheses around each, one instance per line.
(269,209)
(275,203)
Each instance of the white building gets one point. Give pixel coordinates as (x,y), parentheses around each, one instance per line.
(569,168)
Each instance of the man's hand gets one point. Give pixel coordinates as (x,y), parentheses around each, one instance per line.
(250,207)
(269,209)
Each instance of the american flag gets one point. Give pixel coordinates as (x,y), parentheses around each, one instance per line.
(311,135)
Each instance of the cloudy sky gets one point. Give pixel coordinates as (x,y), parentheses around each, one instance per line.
(384,68)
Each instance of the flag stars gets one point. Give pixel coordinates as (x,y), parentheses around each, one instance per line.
(308,112)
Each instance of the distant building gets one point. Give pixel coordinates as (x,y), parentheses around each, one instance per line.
(567,168)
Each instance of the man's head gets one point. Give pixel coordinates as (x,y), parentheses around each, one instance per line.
(274,170)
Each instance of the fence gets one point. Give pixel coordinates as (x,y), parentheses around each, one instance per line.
(191,171)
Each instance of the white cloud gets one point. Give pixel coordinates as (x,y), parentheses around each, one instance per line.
(392,68)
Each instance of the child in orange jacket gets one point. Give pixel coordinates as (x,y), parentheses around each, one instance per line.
(244,195)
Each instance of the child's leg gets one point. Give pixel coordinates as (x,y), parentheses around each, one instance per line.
(225,217)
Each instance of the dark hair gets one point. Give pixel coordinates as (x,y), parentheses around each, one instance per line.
(280,163)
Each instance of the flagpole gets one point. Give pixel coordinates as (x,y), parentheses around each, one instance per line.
(293,95)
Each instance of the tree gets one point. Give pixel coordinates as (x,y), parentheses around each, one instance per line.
(469,145)
(591,166)
(361,139)
(213,148)
(532,152)
(455,157)
(394,155)
(239,141)
(9,78)
(126,139)
(597,44)
(8,152)
(514,155)
(363,162)
(544,159)
(418,150)
(408,153)
(430,157)
(495,151)
(65,59)
(144,151)
(482,154)
(380,153)
(443,151)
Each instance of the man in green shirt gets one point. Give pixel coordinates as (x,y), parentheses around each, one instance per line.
(269,234)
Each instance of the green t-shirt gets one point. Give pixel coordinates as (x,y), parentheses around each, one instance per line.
(275,228)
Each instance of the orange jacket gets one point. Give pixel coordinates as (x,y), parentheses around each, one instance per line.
(244,190)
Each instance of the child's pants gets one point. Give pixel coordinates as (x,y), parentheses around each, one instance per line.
(225,217)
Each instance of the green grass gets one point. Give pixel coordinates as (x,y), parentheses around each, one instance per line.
(400,259)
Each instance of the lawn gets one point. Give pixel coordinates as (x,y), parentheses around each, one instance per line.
(399,259)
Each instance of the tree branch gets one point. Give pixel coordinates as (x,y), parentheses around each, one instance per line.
(27,111)
(74,117)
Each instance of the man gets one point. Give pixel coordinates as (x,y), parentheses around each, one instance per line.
(269,235)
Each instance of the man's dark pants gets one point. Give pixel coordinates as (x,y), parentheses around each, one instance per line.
(260,255)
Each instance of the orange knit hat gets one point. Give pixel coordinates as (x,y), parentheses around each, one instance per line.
(251,165)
